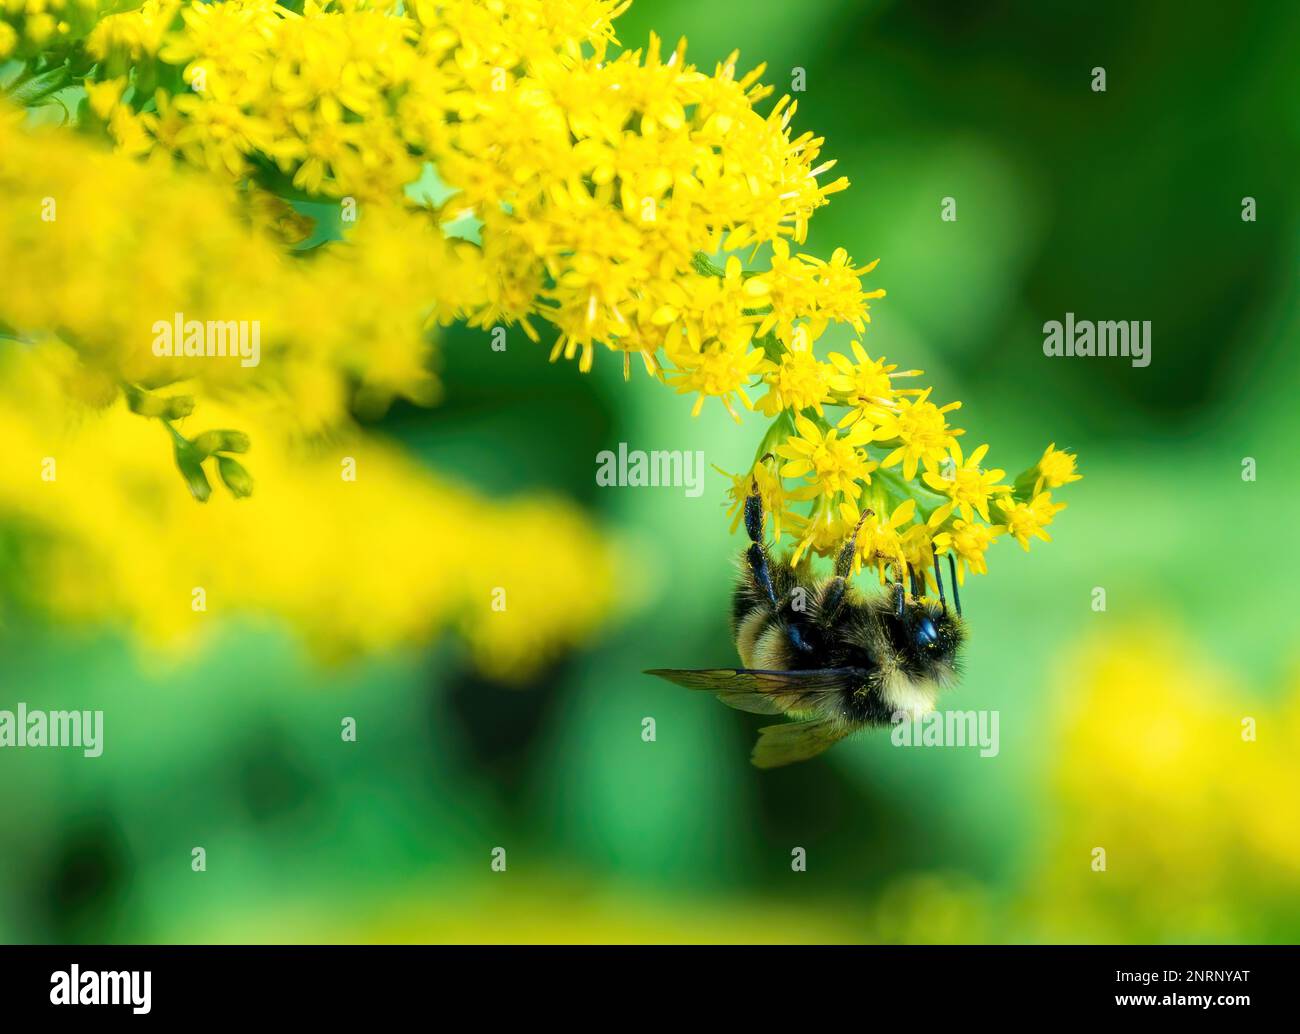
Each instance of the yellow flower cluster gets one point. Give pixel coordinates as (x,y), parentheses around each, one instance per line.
(597,181)
(625,198)
(601,185)
(352,545)
(99,248)
(51,28)
(889,471)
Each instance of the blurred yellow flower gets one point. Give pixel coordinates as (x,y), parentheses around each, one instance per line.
(353,545)
(1188,786)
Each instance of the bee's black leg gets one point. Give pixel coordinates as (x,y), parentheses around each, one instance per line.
(938,580)
(833,597)
(952,570)
(899,595)
(756,558)
(756,555)
(754,514)
(844,562)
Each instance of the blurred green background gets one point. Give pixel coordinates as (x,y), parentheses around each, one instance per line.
(1118,729)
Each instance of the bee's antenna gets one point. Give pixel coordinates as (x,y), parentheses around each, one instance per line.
(915,576)
(952,570)
(938,579)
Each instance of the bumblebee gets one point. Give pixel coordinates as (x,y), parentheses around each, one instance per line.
(820,653)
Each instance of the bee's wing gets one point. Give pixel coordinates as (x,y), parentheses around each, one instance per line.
(761,691)
(794,741)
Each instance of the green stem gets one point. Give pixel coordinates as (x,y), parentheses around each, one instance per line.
(178,439)
(927,501)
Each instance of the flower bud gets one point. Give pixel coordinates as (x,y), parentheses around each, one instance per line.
(237,479)
(210,442)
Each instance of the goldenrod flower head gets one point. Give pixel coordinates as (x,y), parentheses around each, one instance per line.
(867,384)
(880,542)
(1026,520)
(968,541)
(833,464)
(805,294)
(599,178)
(800,381)
(823,531)
(771,488)
(1056,468)
(967,485)
(719,372)
(921,432)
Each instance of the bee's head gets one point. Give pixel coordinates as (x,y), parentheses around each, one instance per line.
(926,638)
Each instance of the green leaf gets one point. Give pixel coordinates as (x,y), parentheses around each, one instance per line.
(32,90)
(210,442)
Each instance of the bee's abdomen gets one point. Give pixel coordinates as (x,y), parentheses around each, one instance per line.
(743,604)
(866,704)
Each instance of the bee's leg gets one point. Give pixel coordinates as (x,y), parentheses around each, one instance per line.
(761,573)
(952,570)
(756,555)
(899,595)
(833,597)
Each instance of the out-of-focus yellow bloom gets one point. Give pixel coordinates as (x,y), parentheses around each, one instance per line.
(102,248)
(1189,787)
(51,27)
(389,557)
(96,249)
